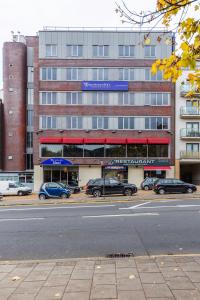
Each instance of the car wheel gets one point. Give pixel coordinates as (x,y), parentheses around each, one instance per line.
(146,188)
(128,192)
(161,191)
(20,193)
(63,196)
(42,197)
(189,191)
(97,193)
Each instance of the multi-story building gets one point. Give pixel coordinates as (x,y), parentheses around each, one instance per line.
(92,106)
(1,135)
(187,131)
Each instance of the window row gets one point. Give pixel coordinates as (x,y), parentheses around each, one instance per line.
(51,50)
(132,150)
(80,74)
(105,123)
(104,98)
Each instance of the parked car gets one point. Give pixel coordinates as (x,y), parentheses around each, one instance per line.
(147,183)
(171,185)
(53,190)
(107,186)
(74,189)
(14,188)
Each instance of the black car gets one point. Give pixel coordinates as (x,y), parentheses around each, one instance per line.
(171,185)
(148,183)
(107,186)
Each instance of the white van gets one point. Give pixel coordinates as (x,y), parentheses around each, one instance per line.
(14,188)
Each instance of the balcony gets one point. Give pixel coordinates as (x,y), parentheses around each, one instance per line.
(189,155)
(186,88)
(189,134)
(190,112)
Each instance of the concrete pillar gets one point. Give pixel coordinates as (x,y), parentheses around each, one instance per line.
(135,175)
(86,173)
(177,169)
(170,173)
(38,177)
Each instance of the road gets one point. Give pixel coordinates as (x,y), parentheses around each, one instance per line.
(144,228)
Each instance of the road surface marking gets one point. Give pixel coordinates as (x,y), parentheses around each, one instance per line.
(135,206)
(24,219)
(171,206)
(123,215)
(56,207)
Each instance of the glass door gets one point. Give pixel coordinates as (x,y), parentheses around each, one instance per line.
(192,129)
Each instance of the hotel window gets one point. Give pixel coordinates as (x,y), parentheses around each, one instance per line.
(115,150)
(51,50)
(100,74)
(29,117)
(73,150)
(99,122)
(100,50)
(94,150)
(74,122)
(126,74)
(158,150)
(153,77)
(73,74)
(126,50)
(49,73)
(48,122)
(156,123)
(125,122)
(126,98)
(100,98)
(29,139)
(136,150)
(51,150)
(149,51)
(157,99)
(48,98)
(73,98)
(74,50)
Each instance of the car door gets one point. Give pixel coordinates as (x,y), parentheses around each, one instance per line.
(12,189)
(168,185)
(52,189)
(179,186)
(116,187)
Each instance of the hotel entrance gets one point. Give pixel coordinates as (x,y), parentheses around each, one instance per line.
(67,175)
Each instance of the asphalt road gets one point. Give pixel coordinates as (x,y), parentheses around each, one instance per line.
(144,228)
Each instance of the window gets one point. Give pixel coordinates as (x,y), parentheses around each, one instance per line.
(115,150)
(125,122)
(74,50)
(157,150)
(192,147)
(126,74)
(156,123)
(74,122)
(99,122)
(153,77)
(100,50)
(100,74)
(51,150)
(73,98)
(29,117)
(29,161)
(49,74)
(48,122)
(157,99)
(29,139)
(48,98)
(51,50)
(94,150)
(126,50)
(126,98)
(100,98)
(149,51)
(136,150)
(73,74)
(73,151)
(30,99)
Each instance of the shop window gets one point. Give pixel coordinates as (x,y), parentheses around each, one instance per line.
(120,173)
(73,151)
(136,150)
(157,150)
(157,174)
(51,150)
(115,150)
(94,150)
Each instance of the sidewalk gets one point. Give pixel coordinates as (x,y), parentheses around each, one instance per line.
(140,278)
(83,198)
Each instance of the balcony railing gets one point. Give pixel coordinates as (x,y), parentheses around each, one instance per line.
(188,133)
(186,88)
(189,155)
(191,111)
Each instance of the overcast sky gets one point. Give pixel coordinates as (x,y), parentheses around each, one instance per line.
(29,16)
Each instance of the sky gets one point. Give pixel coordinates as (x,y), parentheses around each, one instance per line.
(29,16)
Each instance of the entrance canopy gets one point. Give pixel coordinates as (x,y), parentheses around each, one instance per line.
(56,161)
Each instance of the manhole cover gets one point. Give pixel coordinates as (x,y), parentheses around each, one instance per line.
(116,255)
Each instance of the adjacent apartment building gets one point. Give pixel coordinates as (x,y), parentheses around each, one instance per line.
(83,104)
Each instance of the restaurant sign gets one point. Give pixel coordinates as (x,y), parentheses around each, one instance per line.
(141,162)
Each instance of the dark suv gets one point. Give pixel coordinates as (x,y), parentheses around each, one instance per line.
(171,185)
(148,183)
(107,186)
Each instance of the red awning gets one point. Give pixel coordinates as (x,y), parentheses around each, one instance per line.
(137,141)
(94,141)
(158,168)
(115,141)
(158,140)
(50,140)
(72,140)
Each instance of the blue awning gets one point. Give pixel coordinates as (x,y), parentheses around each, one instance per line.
(56,161)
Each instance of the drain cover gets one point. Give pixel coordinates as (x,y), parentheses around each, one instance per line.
(115,255)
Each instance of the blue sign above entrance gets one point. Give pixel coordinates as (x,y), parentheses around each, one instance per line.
(104,85)
(56,161)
